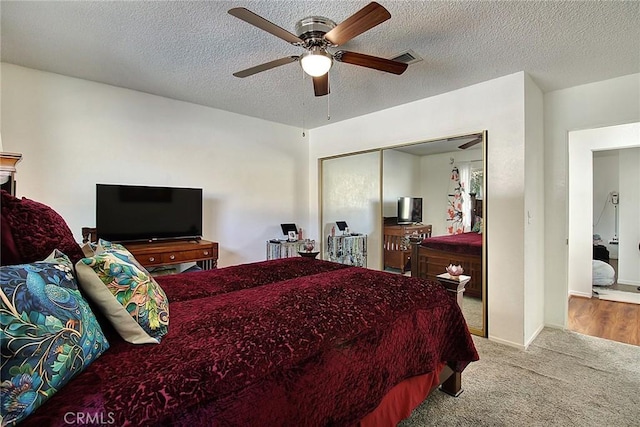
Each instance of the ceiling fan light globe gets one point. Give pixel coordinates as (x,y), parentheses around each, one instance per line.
(316,63)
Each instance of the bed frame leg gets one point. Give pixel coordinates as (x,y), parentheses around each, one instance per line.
(453,385)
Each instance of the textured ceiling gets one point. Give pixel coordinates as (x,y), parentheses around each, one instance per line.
(189,50)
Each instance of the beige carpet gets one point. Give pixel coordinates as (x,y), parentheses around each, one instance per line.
(472,311)
(563,379)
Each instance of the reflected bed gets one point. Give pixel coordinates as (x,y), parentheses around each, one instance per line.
(431,257)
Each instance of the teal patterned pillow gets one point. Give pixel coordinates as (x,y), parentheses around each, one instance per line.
(105,245)
(126,293)
(49,333)
(90,248)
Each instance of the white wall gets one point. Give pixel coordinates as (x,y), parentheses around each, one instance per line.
(400,178)
(74,133)
(581,146)
(534,212)
(606,172)
(496,105)
(629,216)
(605,103)
(435,180)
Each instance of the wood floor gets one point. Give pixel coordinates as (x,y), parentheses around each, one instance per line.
(616,321)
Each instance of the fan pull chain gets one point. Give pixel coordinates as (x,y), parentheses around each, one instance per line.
(328,95)
(303,109)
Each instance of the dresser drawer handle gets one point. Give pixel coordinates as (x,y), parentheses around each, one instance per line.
(151,259)
(172,257)
(206,252)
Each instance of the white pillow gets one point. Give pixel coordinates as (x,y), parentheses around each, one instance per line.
(603,273)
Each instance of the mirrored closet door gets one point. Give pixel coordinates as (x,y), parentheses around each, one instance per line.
(436,189)
(426,189)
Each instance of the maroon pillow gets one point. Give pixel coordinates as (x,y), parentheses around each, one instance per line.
(35,230)
(9,254)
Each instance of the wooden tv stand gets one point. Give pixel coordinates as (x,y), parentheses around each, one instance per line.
(397,249)
(167,252)
(153,254)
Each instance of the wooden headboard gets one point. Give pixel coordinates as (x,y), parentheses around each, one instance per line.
(89,235)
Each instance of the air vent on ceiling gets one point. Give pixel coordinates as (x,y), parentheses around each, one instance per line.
(408,57)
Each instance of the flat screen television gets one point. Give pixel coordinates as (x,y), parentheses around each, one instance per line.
(409,210)
(135,213)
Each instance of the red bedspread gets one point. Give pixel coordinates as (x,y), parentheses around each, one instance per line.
(199,284)
(319,349)
(464,243)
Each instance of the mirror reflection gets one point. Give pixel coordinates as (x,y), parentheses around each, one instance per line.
(350,214)
(433,192)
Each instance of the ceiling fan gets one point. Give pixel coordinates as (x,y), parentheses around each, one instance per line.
(317,35)
(471,143)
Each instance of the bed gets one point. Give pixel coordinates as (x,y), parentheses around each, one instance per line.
(295,341)
(434,254)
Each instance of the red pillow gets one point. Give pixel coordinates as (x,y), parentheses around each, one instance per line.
(31,231)
(9,254)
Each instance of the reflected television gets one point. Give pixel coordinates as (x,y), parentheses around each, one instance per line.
(409,210)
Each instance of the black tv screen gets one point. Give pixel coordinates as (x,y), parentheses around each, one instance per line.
(131,212)
(409,210)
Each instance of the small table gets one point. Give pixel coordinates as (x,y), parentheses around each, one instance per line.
(308,254)
(454,284)
(349,249)
(277,249)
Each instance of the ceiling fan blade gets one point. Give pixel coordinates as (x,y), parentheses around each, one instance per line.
(266,66)
(375,62)
(247,16)
(321,85)
(470,143)
(366,18)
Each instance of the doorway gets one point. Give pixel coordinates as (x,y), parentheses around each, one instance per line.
(584,147)
(615,174)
